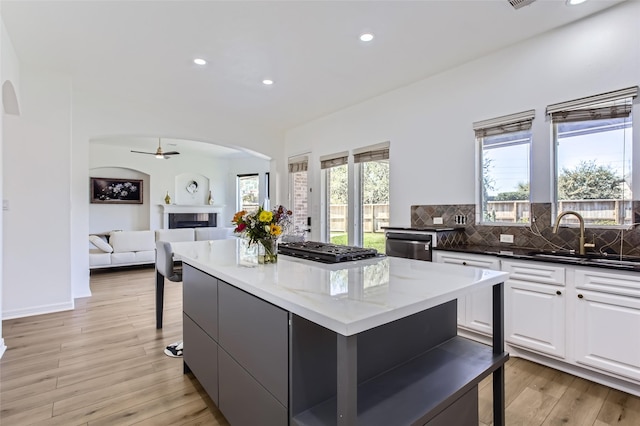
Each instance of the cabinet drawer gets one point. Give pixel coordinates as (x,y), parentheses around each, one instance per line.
(201,355)
(200,299)
(537,272)
(478,261)
(243,401)
(256,334)
(614,283)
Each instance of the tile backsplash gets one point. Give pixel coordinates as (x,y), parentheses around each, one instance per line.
(537,236)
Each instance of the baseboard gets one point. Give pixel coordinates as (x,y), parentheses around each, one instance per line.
(82,294)
(38,310)
(2,347)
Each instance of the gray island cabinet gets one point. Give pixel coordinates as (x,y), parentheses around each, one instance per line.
(369,342)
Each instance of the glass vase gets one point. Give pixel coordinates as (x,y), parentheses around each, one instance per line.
(267,250)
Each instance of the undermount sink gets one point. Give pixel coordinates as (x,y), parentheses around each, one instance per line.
(613,260)
(574,257)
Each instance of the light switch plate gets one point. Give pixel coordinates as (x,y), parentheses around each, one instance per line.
(437,221)
(506,238)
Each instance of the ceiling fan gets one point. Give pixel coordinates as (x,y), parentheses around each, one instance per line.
(159,153)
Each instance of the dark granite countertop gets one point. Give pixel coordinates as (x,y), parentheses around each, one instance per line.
(598,260)
(424,229)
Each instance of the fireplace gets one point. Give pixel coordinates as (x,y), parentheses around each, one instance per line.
(192,220)
(179,216)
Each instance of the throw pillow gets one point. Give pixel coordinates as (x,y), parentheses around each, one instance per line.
(100,243)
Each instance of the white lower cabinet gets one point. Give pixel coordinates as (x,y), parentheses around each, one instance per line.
(535,307)
(474,310)
(607,318)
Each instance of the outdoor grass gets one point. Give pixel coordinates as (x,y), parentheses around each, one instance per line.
(373,240)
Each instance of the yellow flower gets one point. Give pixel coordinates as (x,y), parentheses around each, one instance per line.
(276,230)
(265,216)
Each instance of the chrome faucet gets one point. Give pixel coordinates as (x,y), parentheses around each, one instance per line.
(581,220)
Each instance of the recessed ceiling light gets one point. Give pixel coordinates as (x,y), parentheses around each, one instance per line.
(199,61)
(267,82)
(366,37)
(574,2)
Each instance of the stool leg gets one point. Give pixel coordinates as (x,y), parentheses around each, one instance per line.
(159,298)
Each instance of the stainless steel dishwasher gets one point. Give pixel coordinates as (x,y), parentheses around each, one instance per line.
(411,245)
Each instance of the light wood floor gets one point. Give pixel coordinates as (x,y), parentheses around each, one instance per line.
(103,364)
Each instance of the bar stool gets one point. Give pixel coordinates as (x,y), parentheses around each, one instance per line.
(165,268)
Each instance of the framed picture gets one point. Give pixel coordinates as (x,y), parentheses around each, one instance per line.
(116,191)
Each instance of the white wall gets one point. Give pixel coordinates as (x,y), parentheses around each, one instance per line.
(432,152)
(10,64)
(9,73)
(37,176)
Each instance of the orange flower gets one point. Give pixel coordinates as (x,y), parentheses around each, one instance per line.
(238,216)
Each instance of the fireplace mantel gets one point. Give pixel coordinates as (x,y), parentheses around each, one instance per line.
(197,208)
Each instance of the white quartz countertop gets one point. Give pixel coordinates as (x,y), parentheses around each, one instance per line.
(348,297)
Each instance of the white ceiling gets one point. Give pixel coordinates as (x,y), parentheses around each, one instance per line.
(145,49)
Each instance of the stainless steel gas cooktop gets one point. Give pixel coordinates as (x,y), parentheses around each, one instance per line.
(325,252)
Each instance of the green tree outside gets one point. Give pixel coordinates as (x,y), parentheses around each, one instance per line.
(589,181)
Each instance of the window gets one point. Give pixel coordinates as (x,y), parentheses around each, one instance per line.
(248,192)
(298,191)
(592,151)
(372,170)
(504,168)
(336,197)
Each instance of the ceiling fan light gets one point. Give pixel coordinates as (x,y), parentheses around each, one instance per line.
(366,37)
(159,156)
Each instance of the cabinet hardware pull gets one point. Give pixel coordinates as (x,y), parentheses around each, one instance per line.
(580,296)
(464,263)
(558,292)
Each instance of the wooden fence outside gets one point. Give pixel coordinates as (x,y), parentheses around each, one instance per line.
(593,211)
(374,217)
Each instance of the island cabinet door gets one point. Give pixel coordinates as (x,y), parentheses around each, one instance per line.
(200,327)
(254,336)
(201,356)
(200,299)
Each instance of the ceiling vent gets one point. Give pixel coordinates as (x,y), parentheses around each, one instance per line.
(517,4)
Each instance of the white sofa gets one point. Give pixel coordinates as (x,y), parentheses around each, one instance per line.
(127,248)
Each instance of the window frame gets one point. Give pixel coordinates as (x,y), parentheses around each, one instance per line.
(503,125)
(328,162)
(362,156)
(580,109)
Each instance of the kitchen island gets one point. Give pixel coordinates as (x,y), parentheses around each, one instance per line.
(367,342)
